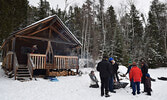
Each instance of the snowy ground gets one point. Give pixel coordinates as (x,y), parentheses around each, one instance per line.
(75,88)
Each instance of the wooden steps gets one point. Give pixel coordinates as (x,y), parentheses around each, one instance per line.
(23,73)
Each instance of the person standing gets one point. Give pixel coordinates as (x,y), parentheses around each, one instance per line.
(135,76)
(144,70)
(111,79)
(34,49)
(104,70)
(148,84)
(129,67)
(115,66)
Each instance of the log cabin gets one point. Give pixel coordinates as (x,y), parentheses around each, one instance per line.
(41,48)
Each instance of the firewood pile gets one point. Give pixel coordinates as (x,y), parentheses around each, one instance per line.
(62,73)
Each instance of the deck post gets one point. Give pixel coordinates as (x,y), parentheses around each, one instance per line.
(13,49)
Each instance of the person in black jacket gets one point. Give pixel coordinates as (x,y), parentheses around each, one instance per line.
(144,70)
(111,80)
(34,49)
(115,66)
(104,68)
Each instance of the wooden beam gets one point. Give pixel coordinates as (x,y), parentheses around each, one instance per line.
(27,28)
(44,39)
(53,21)
(39,27)
(50,33)
(13,44)
(59,33)
(58,23)
(4,44)
(49,52)
(38,31)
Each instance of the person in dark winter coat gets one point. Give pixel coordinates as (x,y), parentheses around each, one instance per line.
(94,81)
(129,67)
(115,66)
(148,84)
(111,80)
(104,68)
(135,76)
(144,70)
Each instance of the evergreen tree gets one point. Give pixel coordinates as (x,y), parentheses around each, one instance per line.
(74,21)
(114,38)
(43,9)
(125,30)
(136,33)
(12,14)
(111,23)
(32,15)
(102,29)
(156,32)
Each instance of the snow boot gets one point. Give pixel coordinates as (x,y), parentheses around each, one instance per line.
(107,95)
(149,93)
(113,91)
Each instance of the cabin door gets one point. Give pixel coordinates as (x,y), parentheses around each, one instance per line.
(49,56)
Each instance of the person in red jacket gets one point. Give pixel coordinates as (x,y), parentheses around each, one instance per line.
(135,77)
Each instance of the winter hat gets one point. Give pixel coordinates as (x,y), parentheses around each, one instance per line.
(130,62)
(34,46)
(134,64)
(147,75)
(92,72)
(142,63)
(110,59)
(105,56)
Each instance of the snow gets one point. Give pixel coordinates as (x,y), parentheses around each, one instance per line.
(75,88)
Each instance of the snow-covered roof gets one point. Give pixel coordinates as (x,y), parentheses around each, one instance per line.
(39,21)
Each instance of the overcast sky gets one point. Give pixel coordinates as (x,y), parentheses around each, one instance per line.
(142,5)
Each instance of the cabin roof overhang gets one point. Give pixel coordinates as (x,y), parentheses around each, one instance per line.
(42,25)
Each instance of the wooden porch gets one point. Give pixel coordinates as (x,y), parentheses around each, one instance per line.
(62,64)
(40,61)
(59,62)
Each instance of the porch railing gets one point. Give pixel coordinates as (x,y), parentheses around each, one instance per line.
(60,62)
(65,62)
(30,65)
(11,61)
(39,61)
(15,65)
(8,61)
